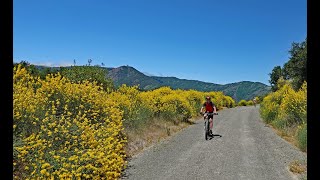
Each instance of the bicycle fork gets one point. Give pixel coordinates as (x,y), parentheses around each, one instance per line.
(209,126)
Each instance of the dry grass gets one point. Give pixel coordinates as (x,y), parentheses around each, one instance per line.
(287,134)
(153,133)
(297,167)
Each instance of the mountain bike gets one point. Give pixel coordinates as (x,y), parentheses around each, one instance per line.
(207,124)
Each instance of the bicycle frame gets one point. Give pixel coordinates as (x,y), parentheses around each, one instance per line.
(207,125)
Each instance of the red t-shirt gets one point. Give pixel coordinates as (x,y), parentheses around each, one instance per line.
(209,106)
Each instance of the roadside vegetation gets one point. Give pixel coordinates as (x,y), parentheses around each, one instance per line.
(81,127)
(286,107)
(248,103)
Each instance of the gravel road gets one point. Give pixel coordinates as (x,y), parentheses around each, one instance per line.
(242,148)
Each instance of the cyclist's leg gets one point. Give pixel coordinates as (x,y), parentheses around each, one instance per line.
(211,122)
(211,125)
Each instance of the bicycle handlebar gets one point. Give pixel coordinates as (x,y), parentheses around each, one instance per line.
(209,113)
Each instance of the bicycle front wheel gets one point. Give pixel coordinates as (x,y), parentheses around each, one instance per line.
(206,130)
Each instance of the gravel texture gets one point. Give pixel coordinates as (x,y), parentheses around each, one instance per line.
(243,147)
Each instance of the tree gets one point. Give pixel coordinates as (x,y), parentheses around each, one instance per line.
(89,61)
(23,64)
(296,68)
(37,71)
(91,73)
(102,64)
(274,77)
(74,62)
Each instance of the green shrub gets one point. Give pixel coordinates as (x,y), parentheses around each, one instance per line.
(250,103)
(280,123)
(78,74)
(243,103)
(138,120)
(301,137)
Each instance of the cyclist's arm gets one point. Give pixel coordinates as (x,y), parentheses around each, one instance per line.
(201,109)
(214,109)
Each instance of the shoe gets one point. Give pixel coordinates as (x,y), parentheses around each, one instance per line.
(211,134)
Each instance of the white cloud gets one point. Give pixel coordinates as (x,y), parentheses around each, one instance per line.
(148,74)
(160,74)
(51,64)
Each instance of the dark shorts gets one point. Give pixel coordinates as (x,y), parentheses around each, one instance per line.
(210,116)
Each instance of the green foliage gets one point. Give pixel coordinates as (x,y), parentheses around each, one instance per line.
(78,74)
(228,102)
(294,70)
(35,70)
(141,107)
(274,77)
(243,103)
(241,90)
(287,108)
(250,103)
(75,74)
(279,123)
(261,98)
(138,119)
(302,136)
(131,77)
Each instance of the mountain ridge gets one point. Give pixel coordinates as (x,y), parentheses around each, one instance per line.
(131,76)
(111,68)
(238,90)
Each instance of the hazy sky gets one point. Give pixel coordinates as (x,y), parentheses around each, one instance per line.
(214,40)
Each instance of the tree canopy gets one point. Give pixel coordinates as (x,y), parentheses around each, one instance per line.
(295,70)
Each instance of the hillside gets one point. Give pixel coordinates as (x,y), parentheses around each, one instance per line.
(128,75)
(240,90)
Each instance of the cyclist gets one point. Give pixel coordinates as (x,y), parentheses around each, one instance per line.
(209,108)
(254,102)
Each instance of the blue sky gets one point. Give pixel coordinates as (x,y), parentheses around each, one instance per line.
(214,41)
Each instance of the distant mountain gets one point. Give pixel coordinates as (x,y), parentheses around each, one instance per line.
(241,90)
(128,75)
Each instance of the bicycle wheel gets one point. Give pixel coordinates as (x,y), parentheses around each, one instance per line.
(206,130)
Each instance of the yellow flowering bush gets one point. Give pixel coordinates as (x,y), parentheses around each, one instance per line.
(228,102)
(171,105)
(243,103)
(176,106)
(64,130)
(287,108)
(136,113)
(270,106)
(294,105)
(194,98)
(250,103)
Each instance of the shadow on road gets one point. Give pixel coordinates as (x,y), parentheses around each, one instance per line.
(214,136)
